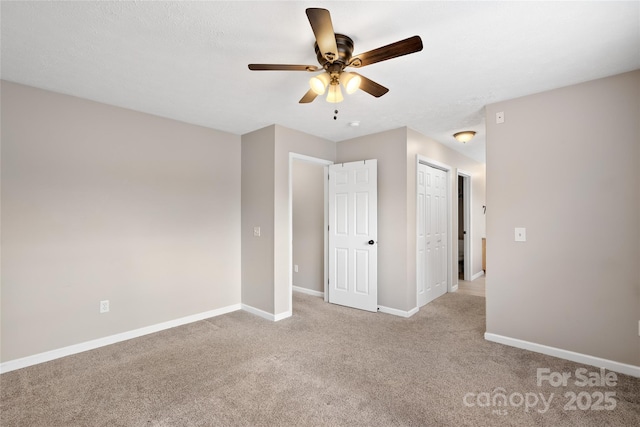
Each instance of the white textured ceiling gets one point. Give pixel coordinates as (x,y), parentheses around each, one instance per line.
(188,60)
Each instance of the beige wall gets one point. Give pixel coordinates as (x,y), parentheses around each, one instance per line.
(308,225)
(290,141)
(100,202)
(565,164)
(257,211)
(266,261)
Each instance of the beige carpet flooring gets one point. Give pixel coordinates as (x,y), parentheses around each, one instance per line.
(326,366)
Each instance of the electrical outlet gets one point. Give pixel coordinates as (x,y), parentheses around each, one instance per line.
(104,306)
(256,231)
(500,117)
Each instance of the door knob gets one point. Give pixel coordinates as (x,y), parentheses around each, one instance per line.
(371,242)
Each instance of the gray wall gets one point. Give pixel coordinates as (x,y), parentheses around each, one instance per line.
(308,225)
(565,164)
(100,202)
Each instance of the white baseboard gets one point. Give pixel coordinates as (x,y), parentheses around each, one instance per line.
(47,356)
(478,274)
(258,312)
(308,291)
(586,359)
(454,288)
(397,312)
(281,316)
(264,314)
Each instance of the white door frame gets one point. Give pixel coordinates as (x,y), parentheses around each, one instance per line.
(325,163)
(448,170)
(468,223)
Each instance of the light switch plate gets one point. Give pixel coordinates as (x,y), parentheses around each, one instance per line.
(521,234)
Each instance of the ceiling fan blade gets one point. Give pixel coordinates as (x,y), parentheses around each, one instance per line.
(372,87)
(282,67)
(308,97)
(390,51)
(320,21)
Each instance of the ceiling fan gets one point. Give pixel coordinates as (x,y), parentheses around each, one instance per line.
(335,53)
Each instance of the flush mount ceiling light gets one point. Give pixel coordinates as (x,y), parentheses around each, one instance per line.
(464,136)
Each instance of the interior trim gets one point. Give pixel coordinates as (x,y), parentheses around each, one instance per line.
(396,312)
(611,365)
(47,356)
(264,314)
(308,291)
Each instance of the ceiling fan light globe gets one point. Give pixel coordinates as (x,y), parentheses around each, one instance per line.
(350,81)
(319,83)
(335,94)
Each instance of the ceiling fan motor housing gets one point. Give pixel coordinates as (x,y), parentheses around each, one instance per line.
(345,50)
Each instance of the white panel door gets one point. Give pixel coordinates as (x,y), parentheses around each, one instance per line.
(439,229)
(424,241)
(353,234)
(431,233)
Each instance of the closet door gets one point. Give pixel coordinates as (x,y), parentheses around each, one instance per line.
(431,233)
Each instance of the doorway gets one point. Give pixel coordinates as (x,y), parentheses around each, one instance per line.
(308,196)
(465,234)
(360,270)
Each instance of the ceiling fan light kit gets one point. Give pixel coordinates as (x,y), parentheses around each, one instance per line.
(335,94)
(464,136)
(350,81)
(319,83)
(334,53)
